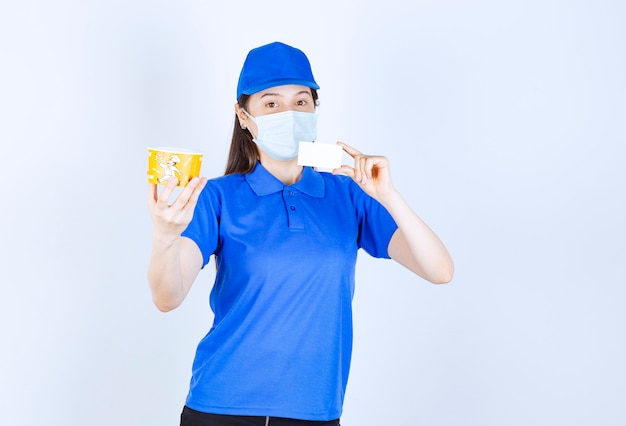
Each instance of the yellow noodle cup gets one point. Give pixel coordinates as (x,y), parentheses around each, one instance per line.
(166,163)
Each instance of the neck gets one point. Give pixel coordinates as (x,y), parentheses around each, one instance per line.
(288,172)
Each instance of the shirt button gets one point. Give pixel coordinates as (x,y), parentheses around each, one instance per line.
(293,208)
(290,193)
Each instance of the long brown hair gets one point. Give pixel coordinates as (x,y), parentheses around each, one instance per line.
(243,153)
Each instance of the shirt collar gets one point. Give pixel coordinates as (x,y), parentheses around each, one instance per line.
(263,182)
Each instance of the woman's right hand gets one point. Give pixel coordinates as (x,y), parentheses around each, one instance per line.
(170,220)
(175,261)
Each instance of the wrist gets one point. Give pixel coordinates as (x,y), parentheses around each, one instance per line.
(164,239)
(390,198)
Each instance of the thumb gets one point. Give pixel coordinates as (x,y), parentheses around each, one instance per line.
(344,170)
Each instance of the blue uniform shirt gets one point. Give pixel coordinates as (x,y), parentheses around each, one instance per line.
(281,340)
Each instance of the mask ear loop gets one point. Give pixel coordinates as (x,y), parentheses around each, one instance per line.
(248,114)
(251,118)
(243,127)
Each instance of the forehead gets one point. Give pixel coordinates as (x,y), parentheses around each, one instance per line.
(287,91)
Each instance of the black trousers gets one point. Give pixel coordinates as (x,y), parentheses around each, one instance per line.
(191,417)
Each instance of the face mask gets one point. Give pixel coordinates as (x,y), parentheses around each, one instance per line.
(280,134)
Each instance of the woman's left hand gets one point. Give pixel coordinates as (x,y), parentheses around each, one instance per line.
(413,245)
(370,172)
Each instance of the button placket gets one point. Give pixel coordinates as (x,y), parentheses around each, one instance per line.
(292,204)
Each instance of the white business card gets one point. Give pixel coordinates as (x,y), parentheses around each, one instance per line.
(323,155)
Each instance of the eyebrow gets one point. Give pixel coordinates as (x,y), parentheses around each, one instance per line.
(306,92)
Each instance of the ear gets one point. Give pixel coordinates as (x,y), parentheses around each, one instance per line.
(241,116)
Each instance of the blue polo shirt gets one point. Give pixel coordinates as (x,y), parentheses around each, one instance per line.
(281,340)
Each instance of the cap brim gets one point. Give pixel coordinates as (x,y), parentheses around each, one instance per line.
(275,83)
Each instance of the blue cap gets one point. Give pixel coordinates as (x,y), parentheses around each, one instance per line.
(275,64)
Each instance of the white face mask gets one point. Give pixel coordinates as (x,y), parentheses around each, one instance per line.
(280,134)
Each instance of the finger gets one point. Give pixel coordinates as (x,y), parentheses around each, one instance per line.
(349,171)
(163,198)
(152,193)
(352,152)
(193,199)
(344,170)
(369,165)
(361,166)
(187,193)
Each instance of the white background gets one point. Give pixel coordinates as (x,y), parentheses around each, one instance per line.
(504,122)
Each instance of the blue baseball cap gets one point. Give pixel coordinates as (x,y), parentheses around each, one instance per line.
(275,64)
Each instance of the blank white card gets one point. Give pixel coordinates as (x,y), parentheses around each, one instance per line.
(323,155)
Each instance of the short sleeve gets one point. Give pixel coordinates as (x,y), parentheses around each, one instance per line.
(204,226)
(376,226)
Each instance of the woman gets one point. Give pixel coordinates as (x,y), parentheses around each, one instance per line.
(285,241)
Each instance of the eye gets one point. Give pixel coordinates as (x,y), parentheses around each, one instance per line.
(271,104)
(301,102)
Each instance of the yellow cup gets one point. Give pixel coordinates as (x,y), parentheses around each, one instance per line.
(165,164)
